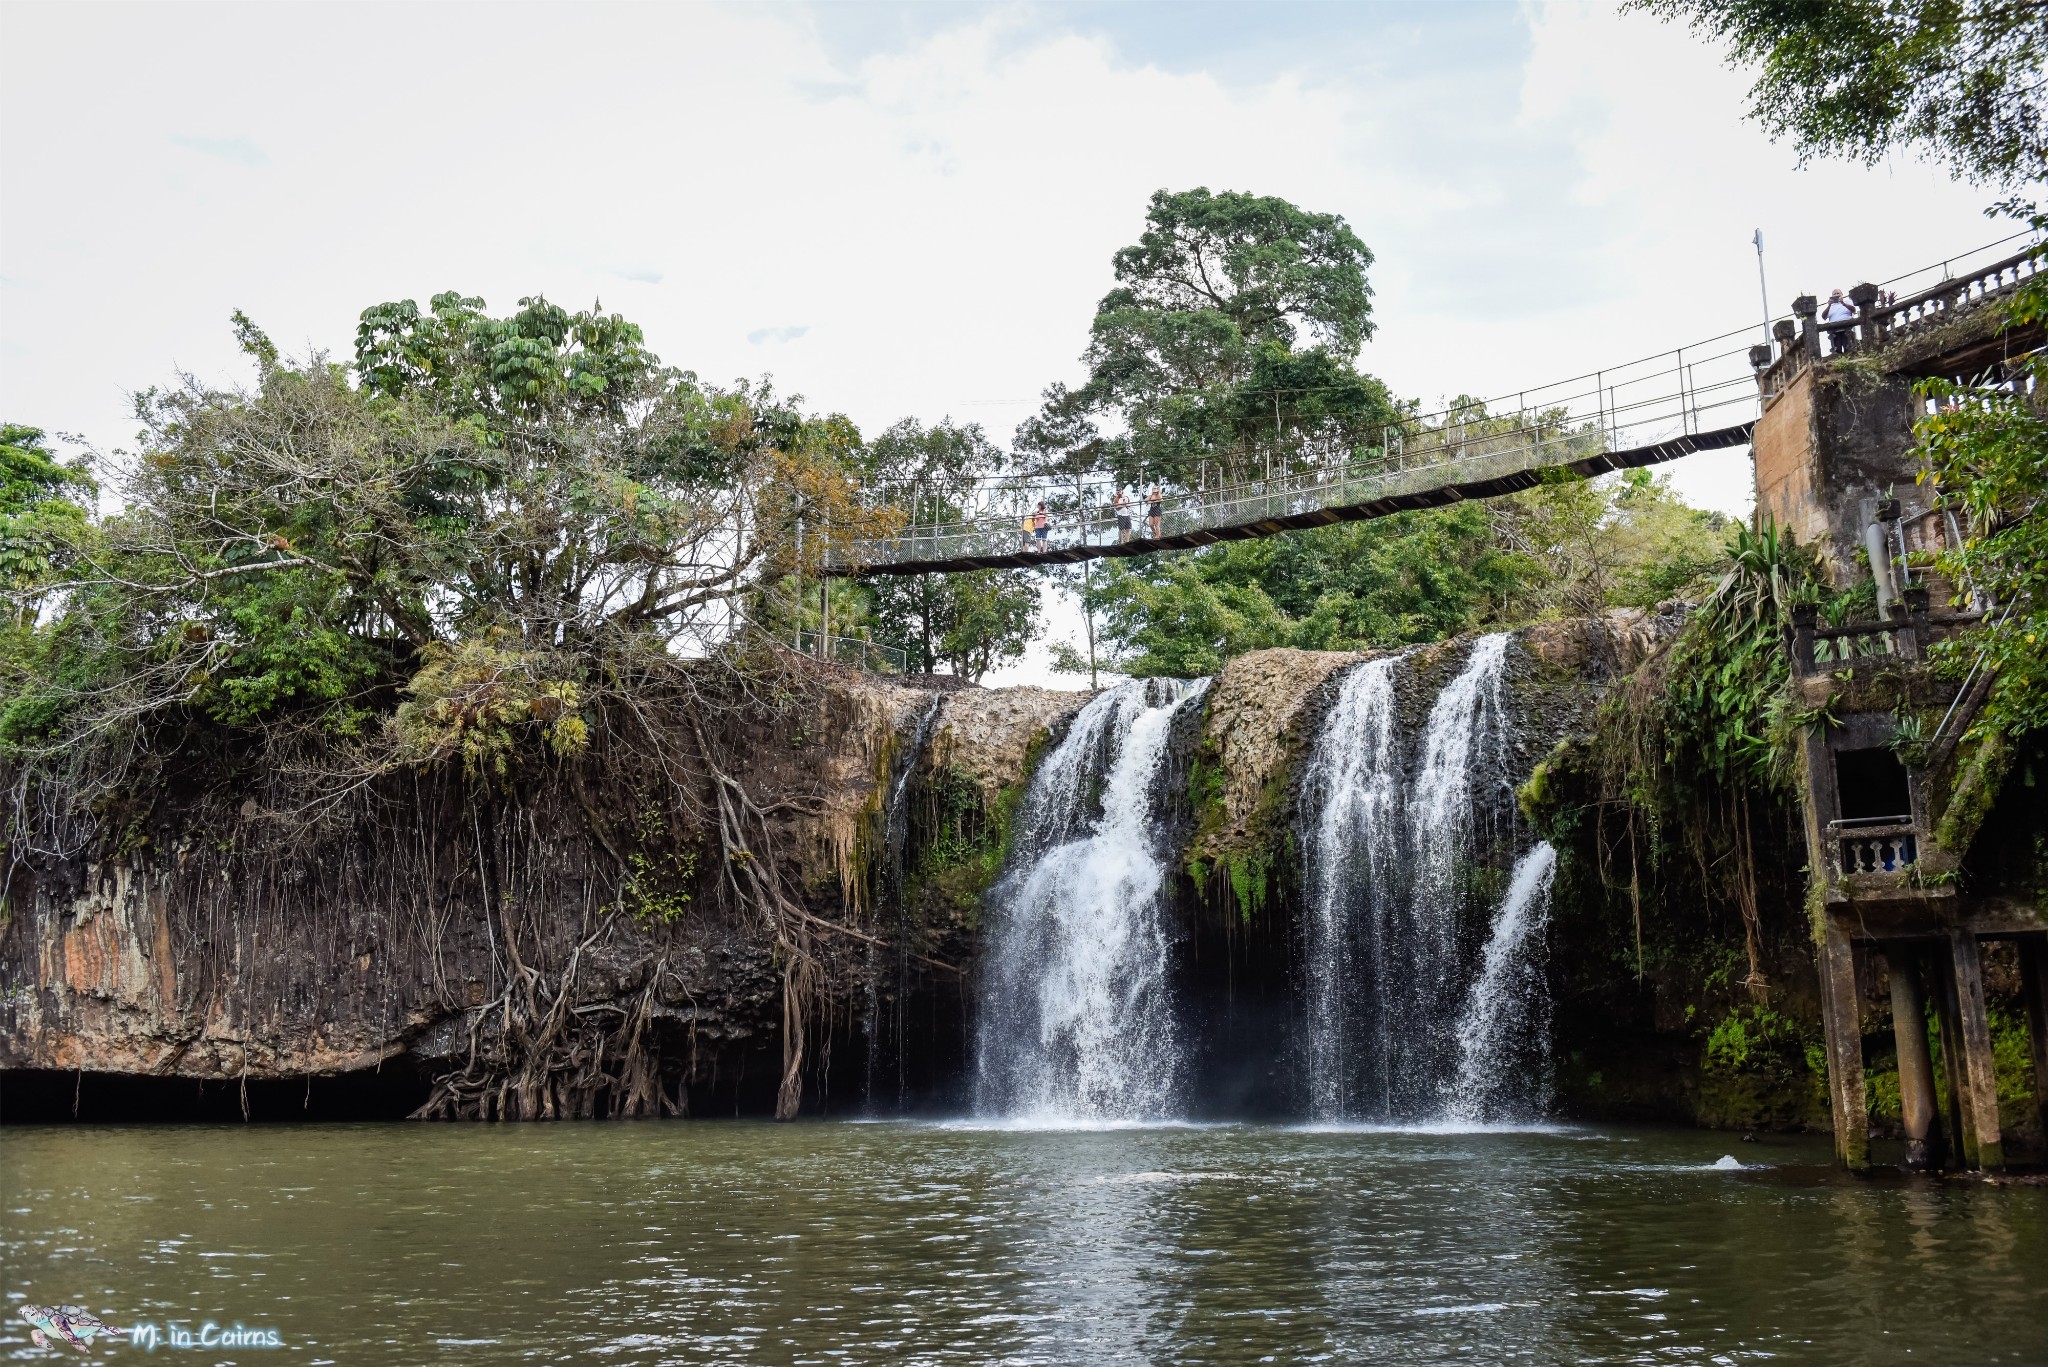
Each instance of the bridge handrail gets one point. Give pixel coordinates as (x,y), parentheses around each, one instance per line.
(1651,402)
(1402,449)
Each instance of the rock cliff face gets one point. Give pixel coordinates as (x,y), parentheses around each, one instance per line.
(567,942)
(568,946)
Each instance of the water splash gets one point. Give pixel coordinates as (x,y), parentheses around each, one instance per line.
(1504,1030)
(1078,1020)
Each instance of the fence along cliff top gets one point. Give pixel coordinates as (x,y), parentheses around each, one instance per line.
(1699,397)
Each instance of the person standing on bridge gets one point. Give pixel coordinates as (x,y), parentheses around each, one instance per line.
(1030,523)
(1122,506)
(1838,310)
(1155,510)
(1041,524)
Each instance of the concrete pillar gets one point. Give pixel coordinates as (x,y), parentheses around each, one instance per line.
(1980,1079)
(1805,307)
(2034,987)
(1880,566)
(1844,1026)
(1916,1066)
(1962,1128)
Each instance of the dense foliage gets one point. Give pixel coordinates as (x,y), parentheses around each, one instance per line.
(1985,446)
(474,516)
(1574,547)
(1198,355)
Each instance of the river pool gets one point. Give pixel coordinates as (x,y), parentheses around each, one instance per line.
(736,1242)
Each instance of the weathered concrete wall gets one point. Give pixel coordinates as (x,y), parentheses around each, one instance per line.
(1833,443)
(1786,488)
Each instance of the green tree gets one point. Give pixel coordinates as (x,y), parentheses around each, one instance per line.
(1198,352)
(43,509)
(968,622)
(1985,447)
(1961,81)
(539,486)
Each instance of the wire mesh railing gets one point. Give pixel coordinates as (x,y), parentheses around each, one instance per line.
(1686,391)
(1704,389)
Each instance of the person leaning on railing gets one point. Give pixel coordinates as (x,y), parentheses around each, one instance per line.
(1838,310)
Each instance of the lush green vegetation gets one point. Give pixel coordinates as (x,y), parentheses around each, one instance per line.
(1985,449)
(1569,548)
(436,551)
(1197,355)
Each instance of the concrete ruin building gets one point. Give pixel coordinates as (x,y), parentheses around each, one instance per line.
(1896,786)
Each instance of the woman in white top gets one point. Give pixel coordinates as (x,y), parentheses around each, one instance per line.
(1838,310)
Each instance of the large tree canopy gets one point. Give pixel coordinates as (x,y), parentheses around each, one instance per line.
(1198,355)
(1963,81)
(1259,263)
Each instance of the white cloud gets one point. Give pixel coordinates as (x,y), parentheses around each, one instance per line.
(238,150)
(1547,190)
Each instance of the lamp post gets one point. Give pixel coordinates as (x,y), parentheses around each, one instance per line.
(1761,286)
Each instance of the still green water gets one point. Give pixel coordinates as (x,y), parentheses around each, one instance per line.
(707,1242)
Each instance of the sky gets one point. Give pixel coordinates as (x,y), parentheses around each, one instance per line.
(894,209)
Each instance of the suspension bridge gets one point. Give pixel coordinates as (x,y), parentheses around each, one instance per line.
(1704,396)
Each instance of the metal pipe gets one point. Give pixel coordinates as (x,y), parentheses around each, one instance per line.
(1880,567)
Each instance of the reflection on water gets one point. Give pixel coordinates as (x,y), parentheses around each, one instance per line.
(698,1242)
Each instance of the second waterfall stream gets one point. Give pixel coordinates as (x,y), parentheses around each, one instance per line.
(1409,1016)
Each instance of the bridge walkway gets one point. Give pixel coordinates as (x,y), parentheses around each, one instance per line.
(1704,396)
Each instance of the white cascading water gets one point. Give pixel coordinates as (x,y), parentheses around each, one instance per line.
(1503,1066)
(1078,1022)
(1387,871)
(1354,790)
(1462,738)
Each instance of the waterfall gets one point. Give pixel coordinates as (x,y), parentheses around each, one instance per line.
(1353,788)
(1464,725)
(1388,875)
(1503,1061)
(1077,1018)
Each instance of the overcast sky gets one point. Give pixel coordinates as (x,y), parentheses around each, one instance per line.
(892,209)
